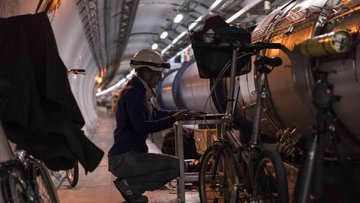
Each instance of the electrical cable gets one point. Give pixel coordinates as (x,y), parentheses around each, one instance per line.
(218,79)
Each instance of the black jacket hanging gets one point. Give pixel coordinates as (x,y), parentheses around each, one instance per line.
(42,115)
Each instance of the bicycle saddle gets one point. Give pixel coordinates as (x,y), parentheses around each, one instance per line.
(274,61)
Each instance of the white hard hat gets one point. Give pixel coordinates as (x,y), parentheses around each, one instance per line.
(149,58)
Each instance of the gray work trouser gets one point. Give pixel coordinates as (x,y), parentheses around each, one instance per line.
(144,171)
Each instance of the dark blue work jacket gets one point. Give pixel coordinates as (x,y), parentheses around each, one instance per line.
(133,124)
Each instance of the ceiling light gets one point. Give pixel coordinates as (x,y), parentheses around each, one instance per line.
(154,46)
(243,10)
(178,18)
(266,5)
(163,35)
(98,79)
(193,24)
(214,5)
(173,42)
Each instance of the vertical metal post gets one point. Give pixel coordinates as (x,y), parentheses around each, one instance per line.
(306,173)
(180,153)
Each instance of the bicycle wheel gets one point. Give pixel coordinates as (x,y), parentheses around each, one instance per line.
(270,179)
(41,182)
(72,175)
(11,189)
(218,177)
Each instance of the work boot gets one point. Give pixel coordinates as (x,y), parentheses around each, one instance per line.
(127,193)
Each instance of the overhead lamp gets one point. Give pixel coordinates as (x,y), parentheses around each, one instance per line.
(178,18)
(215,4)
(154,46)
(243,10)
(266,5)
(164,35)
(98,79)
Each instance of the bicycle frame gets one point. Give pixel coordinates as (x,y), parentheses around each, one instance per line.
(261,92)
(254,145)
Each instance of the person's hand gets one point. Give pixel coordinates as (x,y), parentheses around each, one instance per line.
(195,113)
(180,115)
(186,114)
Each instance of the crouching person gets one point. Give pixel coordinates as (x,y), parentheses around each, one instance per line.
(137,170)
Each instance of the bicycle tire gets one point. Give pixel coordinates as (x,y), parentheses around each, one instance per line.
(270,178)
(41,182)
(217,184)
(72,175)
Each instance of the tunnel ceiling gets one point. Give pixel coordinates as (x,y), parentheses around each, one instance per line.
(115,29)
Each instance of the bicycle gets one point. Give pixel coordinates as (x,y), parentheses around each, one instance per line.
(22,177)
(234,172)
